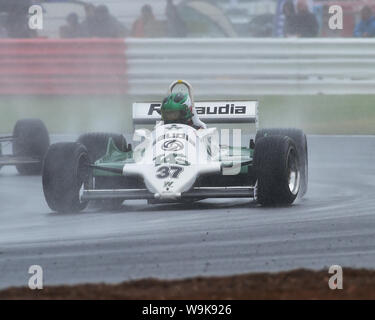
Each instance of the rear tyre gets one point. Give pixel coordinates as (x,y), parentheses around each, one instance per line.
(65,171)
(31,139)
(96,144)
(277,170)
(300,140)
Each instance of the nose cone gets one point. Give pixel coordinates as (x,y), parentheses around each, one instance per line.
(172,179)
(174,165)
(173,160)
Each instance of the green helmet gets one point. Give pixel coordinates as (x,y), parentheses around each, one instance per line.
(176,109)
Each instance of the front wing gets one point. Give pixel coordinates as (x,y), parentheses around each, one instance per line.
(198,192)
(13,160)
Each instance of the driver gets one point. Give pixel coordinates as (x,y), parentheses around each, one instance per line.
(178,108)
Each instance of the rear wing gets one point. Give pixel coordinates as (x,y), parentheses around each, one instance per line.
(209,112)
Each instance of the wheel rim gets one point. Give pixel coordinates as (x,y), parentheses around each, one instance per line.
(83,175)
(294,178)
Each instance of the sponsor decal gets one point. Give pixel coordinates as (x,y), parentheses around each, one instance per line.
(168,184)
(228,109)
(173,158)
(154,107)
(221,110)
(172,145)
(173,126)
(182,136)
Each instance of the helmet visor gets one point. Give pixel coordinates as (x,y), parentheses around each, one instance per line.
(172,115)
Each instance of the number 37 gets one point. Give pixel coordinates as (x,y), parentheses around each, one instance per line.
(165,172)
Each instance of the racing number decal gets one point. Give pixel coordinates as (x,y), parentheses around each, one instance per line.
(176,171)
(165,172)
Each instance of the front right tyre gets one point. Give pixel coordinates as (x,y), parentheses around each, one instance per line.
(96,144)
(65,172)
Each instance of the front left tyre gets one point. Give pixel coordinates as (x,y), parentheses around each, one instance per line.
(300,141)
(65,172)
(277,166)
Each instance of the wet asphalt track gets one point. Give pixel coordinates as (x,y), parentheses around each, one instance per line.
(334,224)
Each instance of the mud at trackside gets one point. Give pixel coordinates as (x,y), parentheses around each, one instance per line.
(297,284)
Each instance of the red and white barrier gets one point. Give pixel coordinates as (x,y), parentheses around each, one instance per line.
(62,67)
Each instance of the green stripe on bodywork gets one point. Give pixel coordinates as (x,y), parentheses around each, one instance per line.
(114,158)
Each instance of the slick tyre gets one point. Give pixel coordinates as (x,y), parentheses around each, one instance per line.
(300,140)
(65,171)
(277,170)
(31,139)
(96,145)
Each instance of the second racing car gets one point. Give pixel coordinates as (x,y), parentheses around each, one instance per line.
(30,142)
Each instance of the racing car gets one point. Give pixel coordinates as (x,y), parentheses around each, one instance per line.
(177,162)
(30,142)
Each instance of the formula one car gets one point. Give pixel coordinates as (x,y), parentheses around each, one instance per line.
(178,163)
(30,142)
